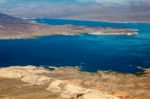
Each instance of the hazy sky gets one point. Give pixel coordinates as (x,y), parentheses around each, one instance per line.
(6,3)
(100,1)
(80,9)
(59,1)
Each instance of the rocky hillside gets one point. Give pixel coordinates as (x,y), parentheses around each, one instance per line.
(11,27)
(32,82)
(39,77)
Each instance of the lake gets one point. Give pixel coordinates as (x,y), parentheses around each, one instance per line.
(92,52)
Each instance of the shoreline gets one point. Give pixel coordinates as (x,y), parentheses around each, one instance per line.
(74,83)
(39,30)
(145,70)
(74,19)
(18,28)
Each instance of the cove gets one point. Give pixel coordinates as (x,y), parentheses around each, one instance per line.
(116,53)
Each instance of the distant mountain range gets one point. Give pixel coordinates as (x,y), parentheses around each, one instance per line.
(101,10)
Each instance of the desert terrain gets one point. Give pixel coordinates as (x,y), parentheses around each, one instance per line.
(30,82)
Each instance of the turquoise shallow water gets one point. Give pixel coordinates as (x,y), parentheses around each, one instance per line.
(117,53)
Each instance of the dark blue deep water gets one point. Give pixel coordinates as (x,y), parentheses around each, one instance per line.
(117,53)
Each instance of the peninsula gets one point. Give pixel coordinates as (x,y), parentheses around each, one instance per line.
(15,28)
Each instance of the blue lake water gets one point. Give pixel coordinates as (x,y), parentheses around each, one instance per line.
(117,53)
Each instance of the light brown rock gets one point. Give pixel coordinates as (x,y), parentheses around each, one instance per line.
(95,95)
(36,79)
(55,86)
(72,83)
(71,90)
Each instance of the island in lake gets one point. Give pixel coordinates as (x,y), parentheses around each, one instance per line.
(15,28)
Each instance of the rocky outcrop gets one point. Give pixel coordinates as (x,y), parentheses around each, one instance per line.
(71,83)
(37,76)
(70,91)
(20,72)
